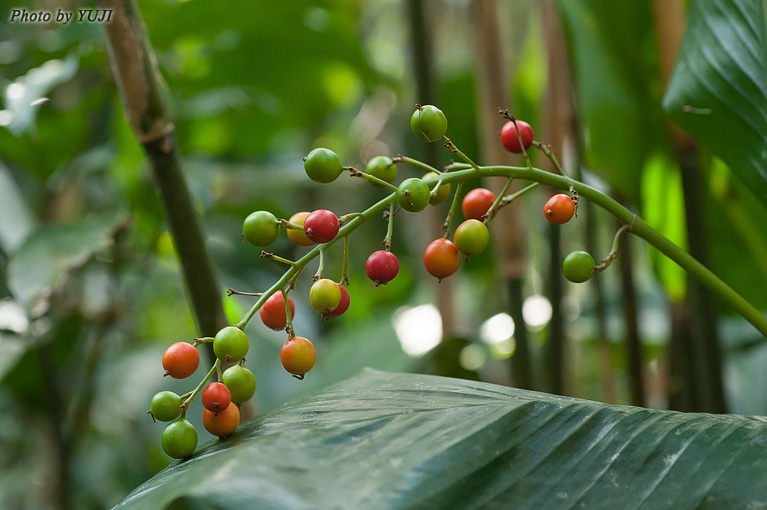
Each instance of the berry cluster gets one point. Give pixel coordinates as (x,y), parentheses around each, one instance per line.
(319,230)
(221,415)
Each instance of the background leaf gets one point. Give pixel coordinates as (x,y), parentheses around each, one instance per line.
(718,90)
(383,441)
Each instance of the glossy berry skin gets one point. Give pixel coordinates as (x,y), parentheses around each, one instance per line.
(343,305)
(180,360)
(381,267)
(223,423)
(298,356)
(230,344)
(428,123)
(578,266)
(323,165)
(216,397)
(166,406)
(559,209)
(241,383)
(321,226)
(471,237)
(442,192)
(441,258)
(273,311)
(179,439)
(413,194)
(324,295)
(297,236)
(261,228)
(383,168)
(476,203)
(509,137)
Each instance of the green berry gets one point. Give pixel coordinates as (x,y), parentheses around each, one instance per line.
(241,383)
(179,439)
(442,192)
(323,165)
(383,168)
(324,295)
(578,266)
(230,344)
(413,194)
(471,237)
(166,406)
(428,123)
(261,228)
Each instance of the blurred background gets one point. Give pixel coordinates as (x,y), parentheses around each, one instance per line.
(91,292)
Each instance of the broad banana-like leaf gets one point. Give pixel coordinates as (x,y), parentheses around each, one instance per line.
(718,90)
(404,441)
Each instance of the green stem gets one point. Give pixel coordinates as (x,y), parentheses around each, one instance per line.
(546,149)
(640,229)
(451,212)
(389,228)
(276,258)
(345,272)
(415,162)
(614,250)
(455,150)
(199,387)
(288,316)
(321,267)
(510,198)
(497,203)
(371,178)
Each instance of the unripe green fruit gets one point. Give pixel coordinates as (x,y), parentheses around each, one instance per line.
(230,344)
(166,406)
(179,439)
(383,168)
(241,383)
(323,165)
(472,237)
(413,194)
(578,267)
(324,295)
(428,123)
(442,192)
(261,228)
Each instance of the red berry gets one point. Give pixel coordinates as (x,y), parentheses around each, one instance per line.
(509,137)
(343,305)
(559,209)
(216,397)
(382,266)
(180,360)
(321,226)
(273,311)
(298,356)
(476,203)
(222,423)
(441,258)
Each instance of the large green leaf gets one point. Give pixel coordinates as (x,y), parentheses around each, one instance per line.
(718,90)
(394,441)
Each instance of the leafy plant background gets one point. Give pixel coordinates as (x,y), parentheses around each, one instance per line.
(91,290)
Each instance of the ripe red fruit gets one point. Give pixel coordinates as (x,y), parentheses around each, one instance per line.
(216,397)
(180,360)
(343,305)
(509,137)
(222,423)
(476,203)
(559,209)
(382,266)
(441,258)
(321,226)
(298,356)
(273,311)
